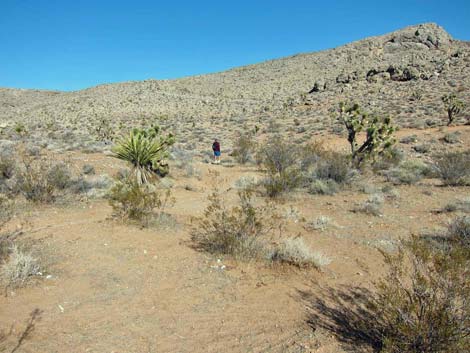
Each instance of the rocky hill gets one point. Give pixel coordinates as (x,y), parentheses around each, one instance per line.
(403,74)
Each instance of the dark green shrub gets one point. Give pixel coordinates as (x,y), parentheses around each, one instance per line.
(423,303)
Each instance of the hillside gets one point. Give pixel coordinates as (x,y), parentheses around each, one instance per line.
(402,74)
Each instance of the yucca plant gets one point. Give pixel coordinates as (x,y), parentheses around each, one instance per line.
(146,150)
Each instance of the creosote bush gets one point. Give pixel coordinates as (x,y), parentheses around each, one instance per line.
(280,160)
(239,231)
(132,201)
(423,304)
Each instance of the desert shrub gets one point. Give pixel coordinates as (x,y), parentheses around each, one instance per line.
(334,166)
(452,137)
(88,169)
(323,187)
(146,150)
(19,267)
(391,158)
(320,223)
(295,252)
(282,166)
(237,231)
(422,304)
(34,183)
(310,154)
(132,201)
(371,206)
(459,231)
(246,182)
(7,166)
(408,172)
(244,148)
(453,168)
(59,176)
(458,205)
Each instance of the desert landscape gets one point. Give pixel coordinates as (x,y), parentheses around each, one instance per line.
(337,220)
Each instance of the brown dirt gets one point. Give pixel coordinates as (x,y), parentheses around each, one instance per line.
(119,288)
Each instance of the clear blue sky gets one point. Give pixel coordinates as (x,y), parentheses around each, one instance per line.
(74,44)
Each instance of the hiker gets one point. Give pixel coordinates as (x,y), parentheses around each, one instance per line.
(216,149)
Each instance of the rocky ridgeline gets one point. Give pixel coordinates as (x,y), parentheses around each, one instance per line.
(403,74)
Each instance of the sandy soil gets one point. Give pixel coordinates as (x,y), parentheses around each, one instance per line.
(110,287)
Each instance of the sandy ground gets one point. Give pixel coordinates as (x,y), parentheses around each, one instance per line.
(110,287)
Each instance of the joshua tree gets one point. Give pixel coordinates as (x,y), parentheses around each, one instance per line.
(146,150)
(453,106)
(379,132)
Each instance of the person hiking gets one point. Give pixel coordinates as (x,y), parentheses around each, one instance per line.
(216,149)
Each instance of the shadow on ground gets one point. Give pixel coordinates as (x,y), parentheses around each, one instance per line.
(347,314)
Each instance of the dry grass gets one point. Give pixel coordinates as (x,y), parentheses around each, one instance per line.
(295,252)
(19,267)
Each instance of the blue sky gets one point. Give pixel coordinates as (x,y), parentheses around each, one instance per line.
(70,45)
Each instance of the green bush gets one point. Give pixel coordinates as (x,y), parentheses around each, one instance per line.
(238,231)
(422,304)
(453,168)
(60,176)
(132,201)
(282,165)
